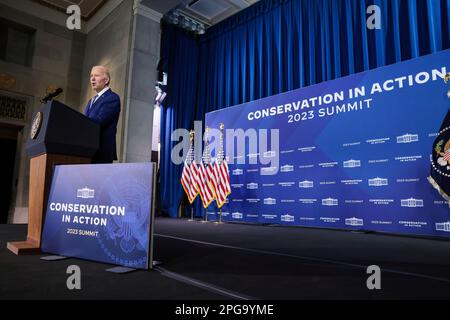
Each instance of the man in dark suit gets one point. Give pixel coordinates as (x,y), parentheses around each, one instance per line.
(104,109)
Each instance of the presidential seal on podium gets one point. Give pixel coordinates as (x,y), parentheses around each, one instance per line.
(36,125)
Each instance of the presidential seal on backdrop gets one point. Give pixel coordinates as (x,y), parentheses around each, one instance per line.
(441,153)
(36,125)
(440,157)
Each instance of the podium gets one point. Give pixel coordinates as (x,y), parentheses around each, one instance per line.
(59,135)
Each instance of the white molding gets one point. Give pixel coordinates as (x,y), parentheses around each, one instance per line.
(59,18)
(36,10)
(140,9)
(101,14)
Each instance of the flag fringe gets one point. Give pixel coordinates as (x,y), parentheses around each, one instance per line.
(439,189)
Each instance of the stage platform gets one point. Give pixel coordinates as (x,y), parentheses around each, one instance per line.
(236,261)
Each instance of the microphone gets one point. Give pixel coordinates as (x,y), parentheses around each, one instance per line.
(52,95)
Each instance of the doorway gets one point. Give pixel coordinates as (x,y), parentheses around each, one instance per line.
(8,147)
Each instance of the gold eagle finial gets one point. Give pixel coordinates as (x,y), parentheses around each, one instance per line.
(447,77)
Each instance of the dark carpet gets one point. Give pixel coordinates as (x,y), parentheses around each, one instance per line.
(237,261)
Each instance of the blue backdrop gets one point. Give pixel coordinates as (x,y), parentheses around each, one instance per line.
(281,45)
(353,152)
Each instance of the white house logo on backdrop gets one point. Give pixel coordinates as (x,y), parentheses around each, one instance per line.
(237,215)
(287,218)
(238,172)
(408,138)
(444,226)
(252,185)
(287,168)
(354,222)
(378,182)
(330,202)
(270,201)
(352,163)
(411,203)
(306,184)
(86,193)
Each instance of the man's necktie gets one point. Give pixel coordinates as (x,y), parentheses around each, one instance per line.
(92,102)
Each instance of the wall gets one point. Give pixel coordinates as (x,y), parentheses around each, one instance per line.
(58,55)
(142,77)
(107,44)
(125,37)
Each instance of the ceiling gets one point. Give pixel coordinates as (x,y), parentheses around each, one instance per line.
(88,7)
(210,12)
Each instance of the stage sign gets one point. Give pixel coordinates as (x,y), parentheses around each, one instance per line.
(353,152)
(101,212)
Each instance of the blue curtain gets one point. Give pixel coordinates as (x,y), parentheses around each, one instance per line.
(280,45)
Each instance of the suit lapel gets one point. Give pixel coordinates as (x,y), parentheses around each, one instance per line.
(99,101)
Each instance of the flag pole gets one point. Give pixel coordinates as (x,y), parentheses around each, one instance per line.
(191,136)
(203,159)
(220,157)
(192,214)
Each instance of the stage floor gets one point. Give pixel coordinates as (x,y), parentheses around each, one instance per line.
(237,261)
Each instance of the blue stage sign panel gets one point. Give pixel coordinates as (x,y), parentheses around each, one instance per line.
(354,153)
(101,212)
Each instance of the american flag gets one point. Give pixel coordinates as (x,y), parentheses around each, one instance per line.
(225,174)
(189,175)
(211,177)
(220,187)
(186,180)
(221,174)
(193,189)
(204,186)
